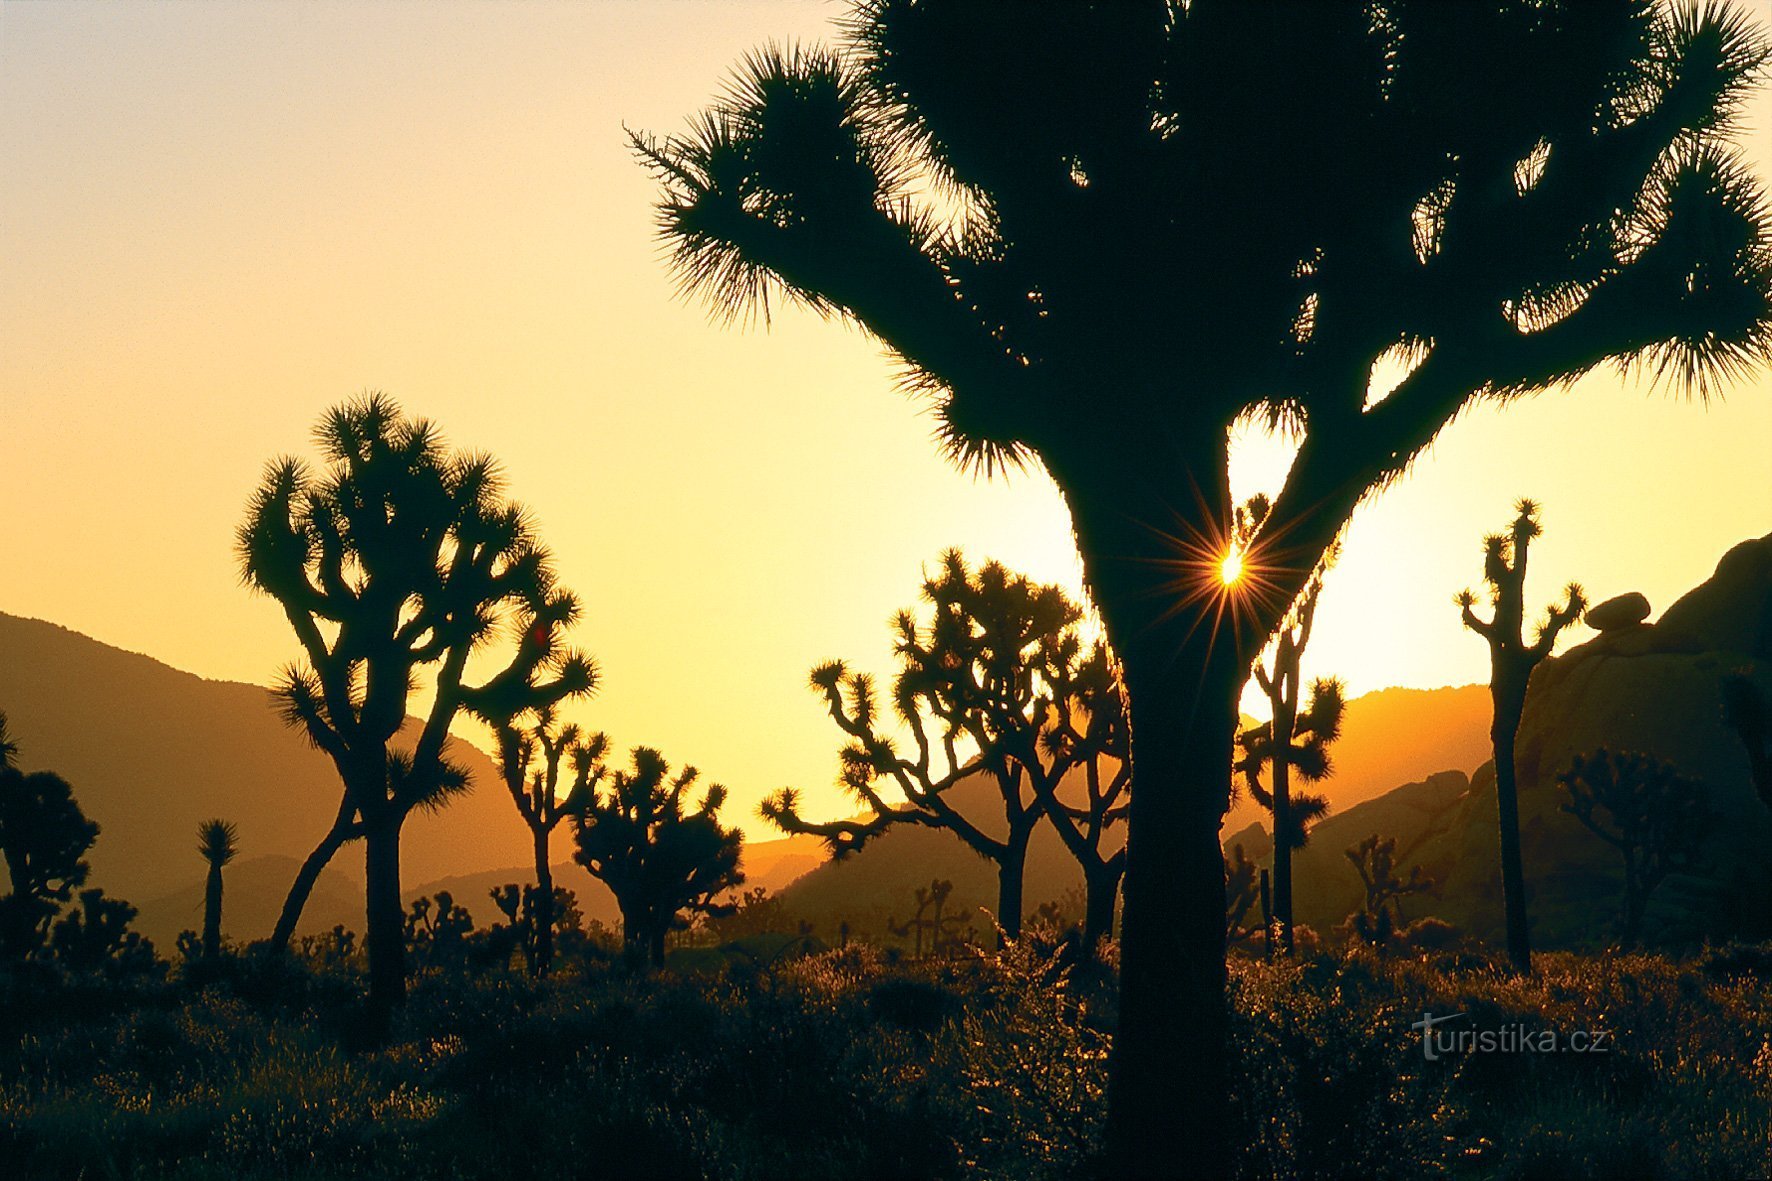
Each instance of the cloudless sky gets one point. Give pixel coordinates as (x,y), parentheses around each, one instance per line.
(217,220)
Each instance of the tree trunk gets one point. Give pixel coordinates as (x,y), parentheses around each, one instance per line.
(543,911)
(385,921)
(1284,723)
(212,905)
(304,883)
(1509,703)
(656,945)
(1010,869)
(1169,1079)
(1149,521)
(1101,884)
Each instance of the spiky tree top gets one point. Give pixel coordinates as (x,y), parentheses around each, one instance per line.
(217,842)
(995,682)
(645,838)
(1187,211)
(399,558)
(532,759)
(1504,568)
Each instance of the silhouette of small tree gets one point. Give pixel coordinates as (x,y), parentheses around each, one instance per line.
(945,932)
(1745,712)
(95,937)
(437,929)
(996,684)
(1057,217)
(44,837)
(1511,661)
(1380,918)
(523,908)
(1656,817)
(216,844)
(660,859)
(395,562)
(529,761)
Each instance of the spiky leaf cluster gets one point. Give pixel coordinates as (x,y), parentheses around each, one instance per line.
(397,558)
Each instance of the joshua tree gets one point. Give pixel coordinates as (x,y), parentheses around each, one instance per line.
(945,931)
(1291,740)
(1511,661)
(1088,730)
(529,759)
(215,844)
(1099,234)
(656,856)
(1653,815)
(1375,860)
(1745,712)
(44,837)
(994,686)
(397,561)
(95,936)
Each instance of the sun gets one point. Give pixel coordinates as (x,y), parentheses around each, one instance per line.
(1230,569)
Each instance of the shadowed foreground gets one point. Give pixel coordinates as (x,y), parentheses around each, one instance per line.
(842,1064)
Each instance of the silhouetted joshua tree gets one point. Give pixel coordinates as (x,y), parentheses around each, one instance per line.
(529,761)
(1087,731)
(216,844)
(394,563)
(95,936)
(945,932)
(1745,712)
(658,858)
(994,686)
(1380,918)
(44,837)
(1293,739)
(1511,661)
(1656,817)
(1099,234)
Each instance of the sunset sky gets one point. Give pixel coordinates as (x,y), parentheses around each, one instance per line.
(217,220)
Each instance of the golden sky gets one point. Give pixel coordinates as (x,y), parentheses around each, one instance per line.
(217,220)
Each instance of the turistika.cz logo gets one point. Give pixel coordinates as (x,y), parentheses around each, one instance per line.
(1507,1039)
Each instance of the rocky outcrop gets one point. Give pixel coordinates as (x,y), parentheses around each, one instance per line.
(1657,688)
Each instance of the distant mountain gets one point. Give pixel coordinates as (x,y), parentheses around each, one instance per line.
(152,752)
(1393,736)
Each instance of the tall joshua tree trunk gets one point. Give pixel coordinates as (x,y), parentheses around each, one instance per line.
(1509,706)
(1101,889)
(385,918)
(212,906)
(542,912)
(1284,722)
(1183,678)
(1009,882)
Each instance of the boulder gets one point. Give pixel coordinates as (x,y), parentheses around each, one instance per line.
(1620,611)
(1657,688)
